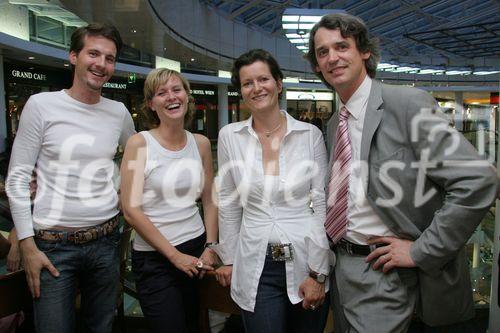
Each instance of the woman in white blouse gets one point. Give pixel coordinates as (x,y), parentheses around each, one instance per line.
(272,207)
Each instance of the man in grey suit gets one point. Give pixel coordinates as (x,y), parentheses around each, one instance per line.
(406,191)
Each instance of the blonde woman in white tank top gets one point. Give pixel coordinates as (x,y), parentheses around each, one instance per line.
(163,172)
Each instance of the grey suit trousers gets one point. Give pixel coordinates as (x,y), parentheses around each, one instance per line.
(367,300)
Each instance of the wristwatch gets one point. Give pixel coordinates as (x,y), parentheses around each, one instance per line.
(320,278)
(210,244)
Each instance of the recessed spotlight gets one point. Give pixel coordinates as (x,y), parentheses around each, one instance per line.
(31,58)
(133,30)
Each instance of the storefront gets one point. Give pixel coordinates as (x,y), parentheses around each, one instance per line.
(205,119)
(130,93)
(312,107)
(23,80)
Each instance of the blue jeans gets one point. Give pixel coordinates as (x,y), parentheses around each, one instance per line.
(273,312)
(94,269)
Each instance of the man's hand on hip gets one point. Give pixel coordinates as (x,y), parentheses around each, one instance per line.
(396,253)
(34,261)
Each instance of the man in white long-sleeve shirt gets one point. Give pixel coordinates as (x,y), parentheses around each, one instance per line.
(71,238)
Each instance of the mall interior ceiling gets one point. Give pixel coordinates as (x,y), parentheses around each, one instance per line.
(206,35)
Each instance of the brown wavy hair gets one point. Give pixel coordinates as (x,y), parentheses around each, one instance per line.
(349,26)
(95,29)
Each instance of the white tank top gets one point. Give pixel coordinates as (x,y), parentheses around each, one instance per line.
(173,181)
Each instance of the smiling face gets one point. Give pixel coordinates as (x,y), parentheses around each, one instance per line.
(170,100)
(259,89)
(94,64)
(340,61)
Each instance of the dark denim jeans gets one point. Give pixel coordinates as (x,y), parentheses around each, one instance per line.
(273,312)
(94,269)
(168,297)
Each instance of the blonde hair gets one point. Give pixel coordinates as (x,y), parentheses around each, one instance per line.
(154,80)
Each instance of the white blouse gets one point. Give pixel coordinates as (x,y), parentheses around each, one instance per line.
(248,215)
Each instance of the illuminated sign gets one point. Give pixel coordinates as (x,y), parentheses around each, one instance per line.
(202,92)
(113,85)
(28,75)
(309,95)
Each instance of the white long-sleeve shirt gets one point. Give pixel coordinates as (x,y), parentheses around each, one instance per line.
(363,221)
(73,145)
(248,215)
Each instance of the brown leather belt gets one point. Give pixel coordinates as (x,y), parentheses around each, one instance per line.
(79,236)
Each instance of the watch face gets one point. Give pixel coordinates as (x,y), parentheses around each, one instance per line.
(321,278)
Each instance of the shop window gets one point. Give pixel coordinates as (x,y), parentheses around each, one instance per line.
(311,111)
(479,128)
(477,120)
(69,31)
(50,29)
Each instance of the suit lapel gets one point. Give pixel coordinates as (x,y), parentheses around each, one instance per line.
(373,116)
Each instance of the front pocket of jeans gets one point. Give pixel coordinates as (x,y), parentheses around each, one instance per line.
(113,238)
(47,247)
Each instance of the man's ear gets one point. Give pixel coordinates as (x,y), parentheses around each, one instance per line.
(72,57)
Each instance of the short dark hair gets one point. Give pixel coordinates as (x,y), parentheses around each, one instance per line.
(156,78)
(249,58)
(349,26)
(105,30)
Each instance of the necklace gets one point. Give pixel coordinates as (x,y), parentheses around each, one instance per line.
(268,133)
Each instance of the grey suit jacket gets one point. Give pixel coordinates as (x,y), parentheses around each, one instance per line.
(396,137)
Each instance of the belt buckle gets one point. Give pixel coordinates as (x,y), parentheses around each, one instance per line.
(347,247)
(82,236)
(282,252)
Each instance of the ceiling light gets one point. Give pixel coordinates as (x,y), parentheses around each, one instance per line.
(290,79)
(313,19)
(290,18)
(431,71)
(404,69)
(66,65)
(306,26)
(297,22)
(225,74)
(290,26)
(485,72)
(298,41)
(31,58)
(456,72)
(192,59)
(382,66)
(290,36)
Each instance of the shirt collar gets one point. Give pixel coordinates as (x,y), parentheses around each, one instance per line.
(358,100)
(292,124)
